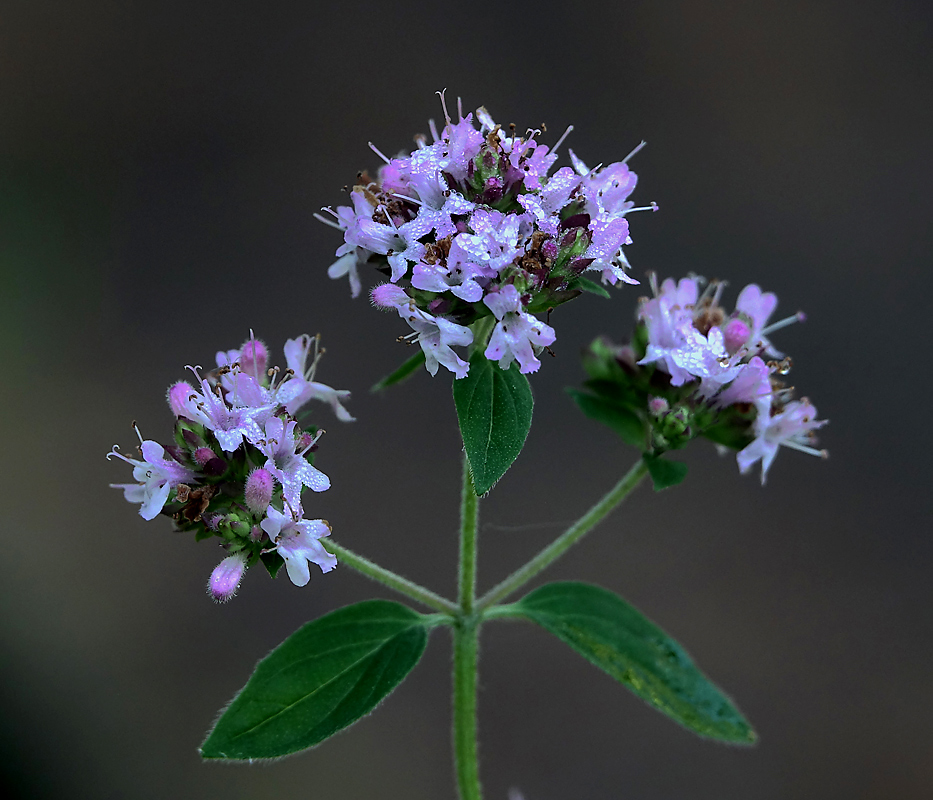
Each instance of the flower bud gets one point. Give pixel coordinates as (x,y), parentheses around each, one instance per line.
(258,492)
(204,454)
(657,406)
(735,334)
(179,395)
(254,358)
(226,577)
(388,295)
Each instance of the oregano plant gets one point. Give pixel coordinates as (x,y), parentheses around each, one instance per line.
(475,238)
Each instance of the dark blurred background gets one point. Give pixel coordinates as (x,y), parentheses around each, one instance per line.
(159,167)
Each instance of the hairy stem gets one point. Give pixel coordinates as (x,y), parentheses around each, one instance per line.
(466,648)
(469,517)
(567,539)
(466,762)
(392,580)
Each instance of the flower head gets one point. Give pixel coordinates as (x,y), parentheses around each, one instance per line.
(207,481)
(474,213)
(695,369)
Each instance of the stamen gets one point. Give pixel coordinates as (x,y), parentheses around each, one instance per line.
(385,208)
(433,129)
(562,137)
(705,298)
(444,104)
(378,152)
(317,436)
(460,108)
(252,338)
(406,198)
(288,506)
(115,454)
(236,382)
(318,354)
(625,160)
(783,323)
(810,451)
(653,207)
(326,221)
(653,282)
(136,428)
(720,285)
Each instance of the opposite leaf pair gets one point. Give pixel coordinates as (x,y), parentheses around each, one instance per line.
(337,669)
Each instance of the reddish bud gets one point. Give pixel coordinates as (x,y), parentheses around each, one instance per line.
(226,577)
(258,492)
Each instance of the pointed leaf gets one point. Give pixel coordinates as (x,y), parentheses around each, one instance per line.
(624,422)
(403,372)
(322,678)
(494,408)
(664,472)
(615,637)
(273,562)
(592,287)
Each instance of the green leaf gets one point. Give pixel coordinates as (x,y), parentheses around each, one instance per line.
(664,472)
(592,287)
(401,373)
(322,678)
(494,410)
(615,637)
(624,422)
(273,562)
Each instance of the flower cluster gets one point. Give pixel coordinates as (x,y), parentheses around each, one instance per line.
(240,461)
(472,227)
(692,369)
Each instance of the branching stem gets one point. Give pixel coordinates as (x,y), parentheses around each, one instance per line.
(567,539)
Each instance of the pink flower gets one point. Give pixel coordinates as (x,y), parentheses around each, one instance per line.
(297,541)
(517,333)
(751,385)
(669,318)
(157,476)
(545,204)
(791,427)
(756,306)
(436,335)
(302,385)
(287,464)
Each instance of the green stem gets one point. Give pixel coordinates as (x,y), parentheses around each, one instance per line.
(482,329)
(466,762)
(469,517)
(391,579)
(466,648)
(567,539)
